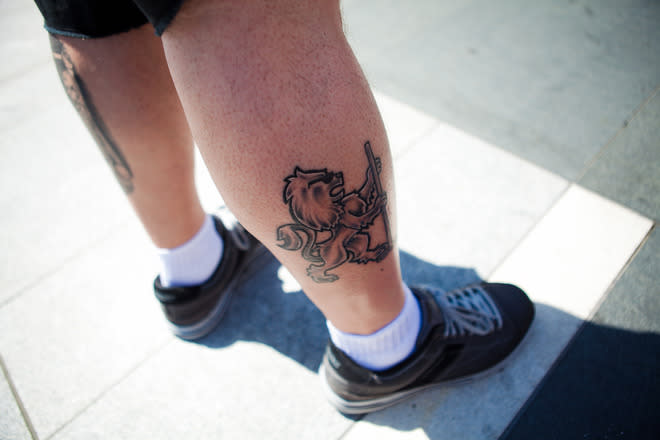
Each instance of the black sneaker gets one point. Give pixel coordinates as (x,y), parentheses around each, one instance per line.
(194,311)
(465,334)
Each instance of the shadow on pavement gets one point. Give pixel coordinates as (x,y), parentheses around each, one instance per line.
(607,386)
(604,385)
(585,390)
(264,311)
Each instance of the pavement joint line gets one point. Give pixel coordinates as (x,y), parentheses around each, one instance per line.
(151,353)
(558,360)
(24,71)
(65,261)
(611,140)
(623,269)
(351,426)
(415,140)
(541,383)
(631,254)
(524,236)
(18,400)
(410,145)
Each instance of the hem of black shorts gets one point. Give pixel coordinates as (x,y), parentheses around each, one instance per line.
(165,21)
(55,31)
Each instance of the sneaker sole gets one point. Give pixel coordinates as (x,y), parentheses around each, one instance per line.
(366,406)
(206,326)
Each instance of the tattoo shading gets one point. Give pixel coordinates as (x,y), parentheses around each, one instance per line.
(81,99)
(331,227)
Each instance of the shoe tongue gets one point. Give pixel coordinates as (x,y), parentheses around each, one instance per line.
(432,316)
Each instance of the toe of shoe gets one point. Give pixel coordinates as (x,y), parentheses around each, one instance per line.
(514,304)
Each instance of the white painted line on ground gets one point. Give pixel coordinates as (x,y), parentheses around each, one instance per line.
(566,264)
(575,252)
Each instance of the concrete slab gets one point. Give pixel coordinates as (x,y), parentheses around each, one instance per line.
(634,302)
(573,255)
(550,82)
(628,168)
(467,203)
(79,331)
(565,264)
(404,124)
(30,95)
(253,377)
(12,425)
(481,409)
(606,384)
(246,390)
(60,197)
(24,45)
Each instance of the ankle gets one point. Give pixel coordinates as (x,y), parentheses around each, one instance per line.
(387,346)
(194,261)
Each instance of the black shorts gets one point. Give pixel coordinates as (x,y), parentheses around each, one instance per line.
(101,18)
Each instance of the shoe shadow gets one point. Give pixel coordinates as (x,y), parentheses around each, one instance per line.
(592,378)
(266,309)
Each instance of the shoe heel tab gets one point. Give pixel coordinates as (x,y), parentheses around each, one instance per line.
(430,311)
(231,228)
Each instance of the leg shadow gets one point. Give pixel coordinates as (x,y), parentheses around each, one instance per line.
(268,311)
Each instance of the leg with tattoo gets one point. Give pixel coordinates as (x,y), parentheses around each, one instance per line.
(287,124)
(80,98)
(121,87)
(285,143)
(282,113)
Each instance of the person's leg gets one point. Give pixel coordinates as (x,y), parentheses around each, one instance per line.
(279,107)
(122,89)
(275,96)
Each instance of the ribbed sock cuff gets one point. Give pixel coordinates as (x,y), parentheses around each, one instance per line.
(387,346)
(194,261)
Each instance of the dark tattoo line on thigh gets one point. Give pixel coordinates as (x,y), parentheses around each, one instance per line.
(330,227)
(77,91)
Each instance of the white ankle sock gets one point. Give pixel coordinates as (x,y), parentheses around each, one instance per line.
(387,346)
(194,261)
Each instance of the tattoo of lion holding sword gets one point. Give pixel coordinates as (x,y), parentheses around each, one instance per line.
(331,227)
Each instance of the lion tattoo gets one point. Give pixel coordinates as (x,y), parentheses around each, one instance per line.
(331,227)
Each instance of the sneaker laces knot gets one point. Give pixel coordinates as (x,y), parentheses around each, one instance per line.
(469,310)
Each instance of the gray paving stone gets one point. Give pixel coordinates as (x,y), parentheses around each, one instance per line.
(59,196)
(475,410)
(565,264)
(29,95)
(29,84)
(634,302)
(550,81)
(628,170)
(12,425)
(404,125)
(253,377)
(24,44)
(466,203)
(77,332)
(606,384)
(246,390)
